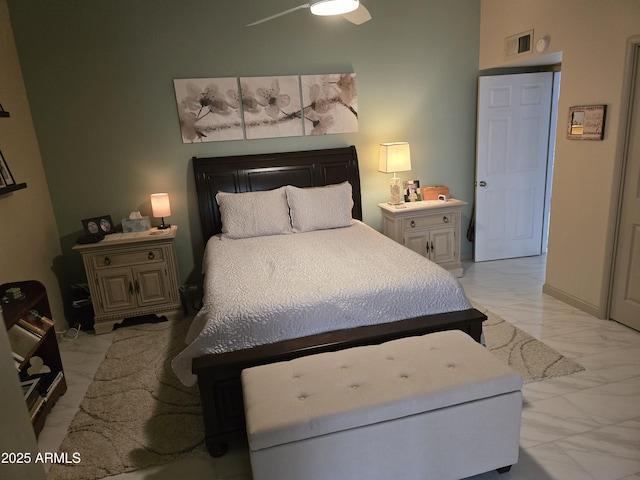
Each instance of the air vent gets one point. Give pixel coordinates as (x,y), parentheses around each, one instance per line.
(517,45)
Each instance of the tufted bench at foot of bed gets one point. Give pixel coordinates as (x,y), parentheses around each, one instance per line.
(433,406)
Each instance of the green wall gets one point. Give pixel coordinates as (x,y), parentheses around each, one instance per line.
(99,78)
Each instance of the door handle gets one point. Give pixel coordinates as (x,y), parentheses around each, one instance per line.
(483,183)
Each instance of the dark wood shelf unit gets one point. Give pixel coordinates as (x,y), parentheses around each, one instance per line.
(35,298)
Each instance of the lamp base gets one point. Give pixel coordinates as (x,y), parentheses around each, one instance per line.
(163,226)
(397,197)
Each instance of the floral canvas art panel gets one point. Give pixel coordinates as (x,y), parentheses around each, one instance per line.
(271,106)
(330,103)
(209,109)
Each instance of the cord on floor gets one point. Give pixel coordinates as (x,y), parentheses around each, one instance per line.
(70,334)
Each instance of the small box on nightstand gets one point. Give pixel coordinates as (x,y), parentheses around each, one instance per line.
(131,225)
(431,193)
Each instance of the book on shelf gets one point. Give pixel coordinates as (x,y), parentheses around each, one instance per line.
(30,390)
(22,341)
(48,382)
(36,407)
(37,323)
(32,328)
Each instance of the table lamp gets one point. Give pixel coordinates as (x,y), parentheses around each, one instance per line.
(161,207)
(395,157)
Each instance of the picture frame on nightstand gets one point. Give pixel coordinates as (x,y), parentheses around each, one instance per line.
(410,187)
(99,225)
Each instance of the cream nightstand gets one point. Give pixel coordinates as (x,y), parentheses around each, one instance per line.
(132,274)
(431,228)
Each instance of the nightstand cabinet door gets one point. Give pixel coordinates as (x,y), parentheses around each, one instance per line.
(438,245)
(418,242)
(442,246)
(150,285)
(116,287)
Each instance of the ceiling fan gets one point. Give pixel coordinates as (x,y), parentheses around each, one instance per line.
(351,10)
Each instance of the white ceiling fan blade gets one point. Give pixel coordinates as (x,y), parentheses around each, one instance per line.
(299,7)
(358,16)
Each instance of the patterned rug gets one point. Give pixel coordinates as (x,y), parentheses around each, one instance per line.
(136,414)
(531,358)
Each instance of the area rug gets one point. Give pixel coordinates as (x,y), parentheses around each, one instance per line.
(532,359)
(136,414)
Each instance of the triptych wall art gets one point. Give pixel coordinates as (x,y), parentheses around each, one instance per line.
(219,109)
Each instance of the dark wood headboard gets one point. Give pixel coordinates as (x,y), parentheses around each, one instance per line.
(248,173)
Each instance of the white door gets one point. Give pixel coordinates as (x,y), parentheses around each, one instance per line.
(514,113)
(625,298)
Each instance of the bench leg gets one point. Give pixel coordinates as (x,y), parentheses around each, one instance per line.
(503,469)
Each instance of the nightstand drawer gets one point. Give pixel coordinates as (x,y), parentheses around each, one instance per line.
(410,224)
(119,259)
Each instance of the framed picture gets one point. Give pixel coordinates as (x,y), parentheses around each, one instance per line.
(586,122)
(411,187)
(209,109)
(101,225)
(6,178)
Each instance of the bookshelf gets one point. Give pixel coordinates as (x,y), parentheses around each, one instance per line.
(35,347)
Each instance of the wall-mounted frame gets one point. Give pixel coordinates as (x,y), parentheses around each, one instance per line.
(7,183)
(236,108)
(6,179)
(586,122)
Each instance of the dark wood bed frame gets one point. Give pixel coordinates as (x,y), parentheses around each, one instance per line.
(219,374)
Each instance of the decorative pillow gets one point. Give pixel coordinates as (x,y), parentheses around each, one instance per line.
(320,208)
(254,214)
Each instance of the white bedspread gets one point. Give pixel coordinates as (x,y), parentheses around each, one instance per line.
(265,289)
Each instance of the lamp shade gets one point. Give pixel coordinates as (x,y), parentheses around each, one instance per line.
(333,7)
(394,157)
(160,204)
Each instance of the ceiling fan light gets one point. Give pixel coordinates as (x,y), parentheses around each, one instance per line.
(334,7)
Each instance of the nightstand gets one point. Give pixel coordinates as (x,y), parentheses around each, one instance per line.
(132,274)
(431,228)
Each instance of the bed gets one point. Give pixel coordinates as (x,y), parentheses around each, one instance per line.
(219,349)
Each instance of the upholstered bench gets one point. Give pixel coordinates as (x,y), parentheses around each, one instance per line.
(431,407)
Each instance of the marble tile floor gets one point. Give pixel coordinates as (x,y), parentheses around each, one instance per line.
(582,426)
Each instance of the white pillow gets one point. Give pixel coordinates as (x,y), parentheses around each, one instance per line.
(254,214)
(320,208)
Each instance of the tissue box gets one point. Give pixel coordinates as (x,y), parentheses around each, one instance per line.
(131,225)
